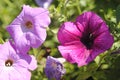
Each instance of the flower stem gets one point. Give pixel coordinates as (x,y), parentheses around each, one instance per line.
(78,6)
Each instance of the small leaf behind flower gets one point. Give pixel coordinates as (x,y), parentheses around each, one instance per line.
(1,41)
(118,14)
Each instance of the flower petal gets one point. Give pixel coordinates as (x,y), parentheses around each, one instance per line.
(83,19)
(95,23)
(33,63)
(19,38)
(20,74)
(43,18)
(40,15)
(92,22)
(22,44)
(75,53)
(14,73)
(102,43)
(14,30)
(68,32)
(6,50)
(3,74)
(36,40)
(26,61)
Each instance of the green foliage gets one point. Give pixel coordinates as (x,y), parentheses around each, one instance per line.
(118,14)
(105,67)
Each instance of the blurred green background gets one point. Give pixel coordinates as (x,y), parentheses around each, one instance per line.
(106,66)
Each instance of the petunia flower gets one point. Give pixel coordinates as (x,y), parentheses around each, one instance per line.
(13,65)
(43,3)
(29,28)
(54,68)
(81,41)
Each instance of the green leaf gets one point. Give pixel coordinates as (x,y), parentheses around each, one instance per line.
(1,41)
(83,76)
(118,14)
(97,60)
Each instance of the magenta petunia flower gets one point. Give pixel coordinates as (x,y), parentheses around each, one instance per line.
(29,28)
(43,3)
(54,68)
(13,65)
(81,41)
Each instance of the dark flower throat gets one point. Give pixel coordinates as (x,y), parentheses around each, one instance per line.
(87,40)
(8,63)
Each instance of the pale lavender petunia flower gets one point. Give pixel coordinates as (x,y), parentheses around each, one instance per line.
(54,68)
(29,28)
(13,65)
(43,3)
(81,41)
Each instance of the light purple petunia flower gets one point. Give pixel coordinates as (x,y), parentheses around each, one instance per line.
(43,3)
(13,65)
(29,28)
(54,68)
(81,41)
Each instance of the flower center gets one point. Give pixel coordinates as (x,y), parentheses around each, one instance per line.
(8,63)
(88,40)
(29,24)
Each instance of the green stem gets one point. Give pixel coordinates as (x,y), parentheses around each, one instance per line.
(78,7)
(65,10)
